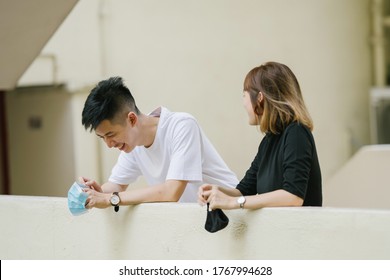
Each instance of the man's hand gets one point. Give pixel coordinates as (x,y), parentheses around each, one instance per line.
(92,184)
(97,199)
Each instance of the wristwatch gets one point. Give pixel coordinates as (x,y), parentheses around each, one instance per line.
(241,200)
(115,200)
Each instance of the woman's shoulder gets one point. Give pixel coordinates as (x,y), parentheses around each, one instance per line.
(296,128)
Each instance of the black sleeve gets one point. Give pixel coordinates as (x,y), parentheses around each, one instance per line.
(248,184)
(298,150)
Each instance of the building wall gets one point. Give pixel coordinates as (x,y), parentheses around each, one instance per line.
(43,228)
(39,125)
(3,152)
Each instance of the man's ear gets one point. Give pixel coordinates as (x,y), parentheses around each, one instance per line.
(132,118)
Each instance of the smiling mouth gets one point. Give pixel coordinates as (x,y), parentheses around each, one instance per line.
(122,147)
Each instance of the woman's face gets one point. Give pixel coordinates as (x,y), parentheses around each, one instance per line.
(252,117)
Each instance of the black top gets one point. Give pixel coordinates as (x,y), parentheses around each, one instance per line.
(286,161)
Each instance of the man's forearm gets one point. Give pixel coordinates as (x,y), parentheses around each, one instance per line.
(110,187)
(170,191)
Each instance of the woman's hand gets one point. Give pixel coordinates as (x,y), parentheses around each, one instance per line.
(202,198)
(216,198)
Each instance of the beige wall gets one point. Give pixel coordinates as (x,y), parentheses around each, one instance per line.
(41,159)
(43,228)
(193,55)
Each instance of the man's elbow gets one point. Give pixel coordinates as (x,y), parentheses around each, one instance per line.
(175,197)
(173,190)
(170,197)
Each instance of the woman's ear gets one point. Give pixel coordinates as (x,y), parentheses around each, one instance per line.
(260,97)
(260,104)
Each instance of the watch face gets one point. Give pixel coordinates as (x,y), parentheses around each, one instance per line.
(114,200)
(241,199)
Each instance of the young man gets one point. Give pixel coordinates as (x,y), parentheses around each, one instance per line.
(169,149)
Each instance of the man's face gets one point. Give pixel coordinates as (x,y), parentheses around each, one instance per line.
(120,136)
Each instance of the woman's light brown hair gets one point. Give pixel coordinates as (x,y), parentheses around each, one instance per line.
(282,103)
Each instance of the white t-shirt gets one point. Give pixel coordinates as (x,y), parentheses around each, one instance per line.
(180,151)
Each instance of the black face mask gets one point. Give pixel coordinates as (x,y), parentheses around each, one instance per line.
(216,220)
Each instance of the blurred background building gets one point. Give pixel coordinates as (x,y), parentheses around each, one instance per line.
(188,56)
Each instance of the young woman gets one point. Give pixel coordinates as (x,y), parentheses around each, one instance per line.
(285,171)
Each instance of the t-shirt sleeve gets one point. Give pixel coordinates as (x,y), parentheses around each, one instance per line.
(125,171)
(298,151)
(248,184)
(186,156)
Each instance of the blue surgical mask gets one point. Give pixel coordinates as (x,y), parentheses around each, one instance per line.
(77,199)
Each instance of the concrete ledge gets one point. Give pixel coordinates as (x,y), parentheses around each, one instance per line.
(43,228)
(363,182)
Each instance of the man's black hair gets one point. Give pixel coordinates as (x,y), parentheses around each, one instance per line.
(107,99)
